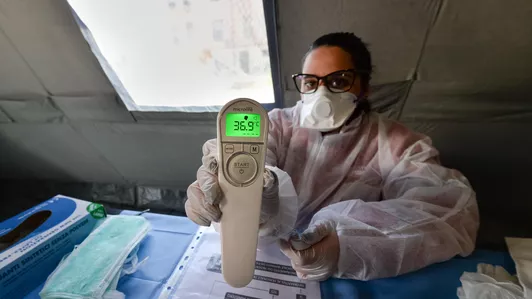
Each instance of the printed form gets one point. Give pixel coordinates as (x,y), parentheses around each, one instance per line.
(198,275)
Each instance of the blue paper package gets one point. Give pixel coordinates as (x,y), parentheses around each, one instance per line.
(33,242)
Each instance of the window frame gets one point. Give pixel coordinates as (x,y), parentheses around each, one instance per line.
(162,113)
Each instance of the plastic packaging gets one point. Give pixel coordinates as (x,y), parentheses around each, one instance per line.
(489,282)
(94,267)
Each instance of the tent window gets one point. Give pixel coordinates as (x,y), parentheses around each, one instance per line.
(191,56)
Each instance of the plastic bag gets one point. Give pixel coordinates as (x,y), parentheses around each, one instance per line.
(521,252)
(489,282)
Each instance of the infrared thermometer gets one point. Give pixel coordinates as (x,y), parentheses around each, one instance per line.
(242,141)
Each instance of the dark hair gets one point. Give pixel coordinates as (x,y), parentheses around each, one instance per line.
(360,56)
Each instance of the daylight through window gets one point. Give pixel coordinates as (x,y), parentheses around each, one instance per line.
(181,54)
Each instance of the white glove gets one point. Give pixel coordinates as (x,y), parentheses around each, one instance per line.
(319,249)
(204,195)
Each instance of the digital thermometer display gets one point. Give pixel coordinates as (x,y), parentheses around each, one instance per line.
(242,125)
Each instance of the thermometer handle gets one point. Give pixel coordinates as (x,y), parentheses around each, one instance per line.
(239,230)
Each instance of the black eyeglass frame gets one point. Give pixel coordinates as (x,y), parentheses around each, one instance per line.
(353,71)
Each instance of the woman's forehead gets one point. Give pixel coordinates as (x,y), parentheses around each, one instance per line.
(325,60)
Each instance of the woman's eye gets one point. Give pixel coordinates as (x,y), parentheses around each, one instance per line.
(309,84)
(339,83)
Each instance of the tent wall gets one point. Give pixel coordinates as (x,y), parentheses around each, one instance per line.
(458,70)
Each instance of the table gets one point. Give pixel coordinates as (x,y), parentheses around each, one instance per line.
(170,236)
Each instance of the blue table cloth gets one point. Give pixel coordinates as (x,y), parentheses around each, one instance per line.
(170,236)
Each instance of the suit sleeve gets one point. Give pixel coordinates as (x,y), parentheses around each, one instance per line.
(280,226)
(428,213)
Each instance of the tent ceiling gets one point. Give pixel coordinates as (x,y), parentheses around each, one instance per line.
(455,51)
(49,45)
(458,51)
(17,79)
(394,30)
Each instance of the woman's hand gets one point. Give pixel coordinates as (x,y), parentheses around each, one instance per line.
(204,195)
(318,261)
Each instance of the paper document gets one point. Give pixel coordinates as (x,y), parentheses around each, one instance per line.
(198,275)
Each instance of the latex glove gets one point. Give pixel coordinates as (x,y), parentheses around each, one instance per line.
(319,261)
(204,195)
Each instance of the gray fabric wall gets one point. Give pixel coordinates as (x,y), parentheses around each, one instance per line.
(458,70)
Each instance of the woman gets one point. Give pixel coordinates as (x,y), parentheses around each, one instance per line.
(373,197)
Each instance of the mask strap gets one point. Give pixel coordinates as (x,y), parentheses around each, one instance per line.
(356,113)
(134,268)
(361,96)
(135,264)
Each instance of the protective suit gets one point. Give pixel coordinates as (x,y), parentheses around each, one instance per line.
(396,209)
(380,188)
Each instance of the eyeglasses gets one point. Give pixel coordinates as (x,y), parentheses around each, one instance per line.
(336,82)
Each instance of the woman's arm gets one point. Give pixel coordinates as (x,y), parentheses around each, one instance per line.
(280,132)
(429,213)
(282,224)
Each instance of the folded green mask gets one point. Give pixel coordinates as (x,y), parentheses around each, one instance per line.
(92,270)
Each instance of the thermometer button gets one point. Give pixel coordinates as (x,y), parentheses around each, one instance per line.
(254,149)
(229,148)
(242,168)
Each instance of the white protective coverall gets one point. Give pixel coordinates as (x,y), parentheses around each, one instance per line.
(396,209)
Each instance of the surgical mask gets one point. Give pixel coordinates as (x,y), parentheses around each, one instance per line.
(325,111)
(93,269)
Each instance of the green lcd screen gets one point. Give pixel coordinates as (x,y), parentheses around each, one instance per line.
(242,125)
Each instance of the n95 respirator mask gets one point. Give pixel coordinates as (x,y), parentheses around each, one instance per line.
(325,111)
